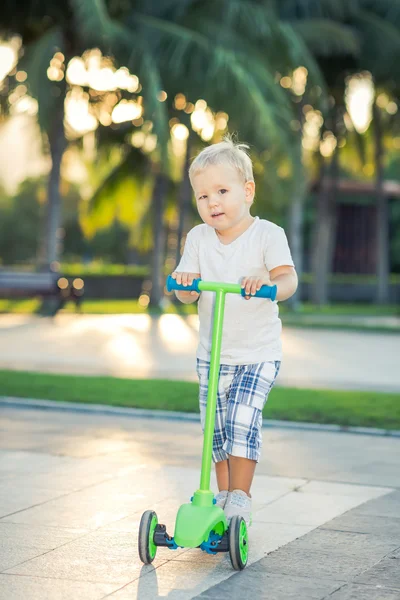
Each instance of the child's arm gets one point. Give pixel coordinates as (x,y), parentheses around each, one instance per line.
(284,277)
(188,268)
(185,279)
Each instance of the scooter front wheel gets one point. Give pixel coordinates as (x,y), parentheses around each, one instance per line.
(146,545)
(238,543)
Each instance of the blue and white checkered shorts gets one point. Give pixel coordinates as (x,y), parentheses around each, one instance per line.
(242,393)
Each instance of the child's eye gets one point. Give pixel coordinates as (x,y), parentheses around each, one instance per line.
(201,197)
(223,191)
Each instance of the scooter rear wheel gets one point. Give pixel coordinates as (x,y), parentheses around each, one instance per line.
(146,546)
(238,543)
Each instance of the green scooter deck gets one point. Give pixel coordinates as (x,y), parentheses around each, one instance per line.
(194,524)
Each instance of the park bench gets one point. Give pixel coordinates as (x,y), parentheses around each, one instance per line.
(49,285)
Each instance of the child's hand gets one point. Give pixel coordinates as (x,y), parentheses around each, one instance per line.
(253,284)
(185,279)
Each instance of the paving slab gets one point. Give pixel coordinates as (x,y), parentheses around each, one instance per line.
(85,530)
(386,572)
(328,562)
(20,542)
(15,587)
(362,592)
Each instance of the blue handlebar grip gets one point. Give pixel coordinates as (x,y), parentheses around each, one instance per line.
(172,285)
(266,291)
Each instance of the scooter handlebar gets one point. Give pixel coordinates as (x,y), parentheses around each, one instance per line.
(173,285)
(266,291)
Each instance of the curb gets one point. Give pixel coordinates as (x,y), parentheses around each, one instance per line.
(102,409)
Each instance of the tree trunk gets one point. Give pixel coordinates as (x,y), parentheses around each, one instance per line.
(296,219)
(158,202)
(184,199)
(325,227)
(382,214)
(296,243)
(57,143)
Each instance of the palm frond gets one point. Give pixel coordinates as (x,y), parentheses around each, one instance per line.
(300,54)
(93,22)
(239,81)
(338,10)
(248,18)
(326,38)
(132,50)
(141,234)
(35,62)
(123,195)
(150,78)
(381,45)
(387,9)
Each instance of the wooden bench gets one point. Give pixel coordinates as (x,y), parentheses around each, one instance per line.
(54,289)
(21,284)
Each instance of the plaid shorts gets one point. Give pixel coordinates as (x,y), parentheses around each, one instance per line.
(242,393)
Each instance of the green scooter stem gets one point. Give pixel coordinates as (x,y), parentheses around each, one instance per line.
(212,389)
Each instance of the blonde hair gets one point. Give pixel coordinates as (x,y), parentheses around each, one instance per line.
(226,152)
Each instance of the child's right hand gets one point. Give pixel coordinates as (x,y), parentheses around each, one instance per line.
(185,279)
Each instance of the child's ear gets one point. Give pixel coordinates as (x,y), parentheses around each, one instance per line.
(250,190)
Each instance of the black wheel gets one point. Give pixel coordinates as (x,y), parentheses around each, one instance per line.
(146,545)
(238,543)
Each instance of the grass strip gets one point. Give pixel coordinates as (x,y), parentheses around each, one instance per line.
(349,408)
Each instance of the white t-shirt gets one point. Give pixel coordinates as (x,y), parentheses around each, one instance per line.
(252,328)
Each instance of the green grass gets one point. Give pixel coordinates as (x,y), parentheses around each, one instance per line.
(98,268)
(92,307)
(111,306)
(24,305)
(349,408)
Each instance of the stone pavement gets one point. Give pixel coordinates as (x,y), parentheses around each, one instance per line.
(356,556)
(143,346)
(73,487)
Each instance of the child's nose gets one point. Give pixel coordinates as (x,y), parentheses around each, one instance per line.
(213,201)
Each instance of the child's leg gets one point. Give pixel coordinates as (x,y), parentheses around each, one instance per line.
(235,474)
(222,473)
(241,473)
(248,395)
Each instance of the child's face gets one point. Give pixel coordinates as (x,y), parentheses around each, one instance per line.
(223,198)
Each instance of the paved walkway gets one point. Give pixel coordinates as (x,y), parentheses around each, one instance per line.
(73,487)
(141,346)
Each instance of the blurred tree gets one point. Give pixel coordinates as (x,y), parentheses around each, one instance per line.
(379,25)
(371,34)
(69,29)
(323,29)
(162,43)
(185,44)
(20,218)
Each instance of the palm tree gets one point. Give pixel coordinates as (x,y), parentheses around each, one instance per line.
(164,46)
(185,44)
(70,28)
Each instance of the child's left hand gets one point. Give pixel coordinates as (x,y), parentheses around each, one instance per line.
(253,283)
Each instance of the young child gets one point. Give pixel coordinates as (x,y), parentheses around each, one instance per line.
(232,246)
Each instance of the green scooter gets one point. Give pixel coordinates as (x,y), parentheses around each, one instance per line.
(201,524)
